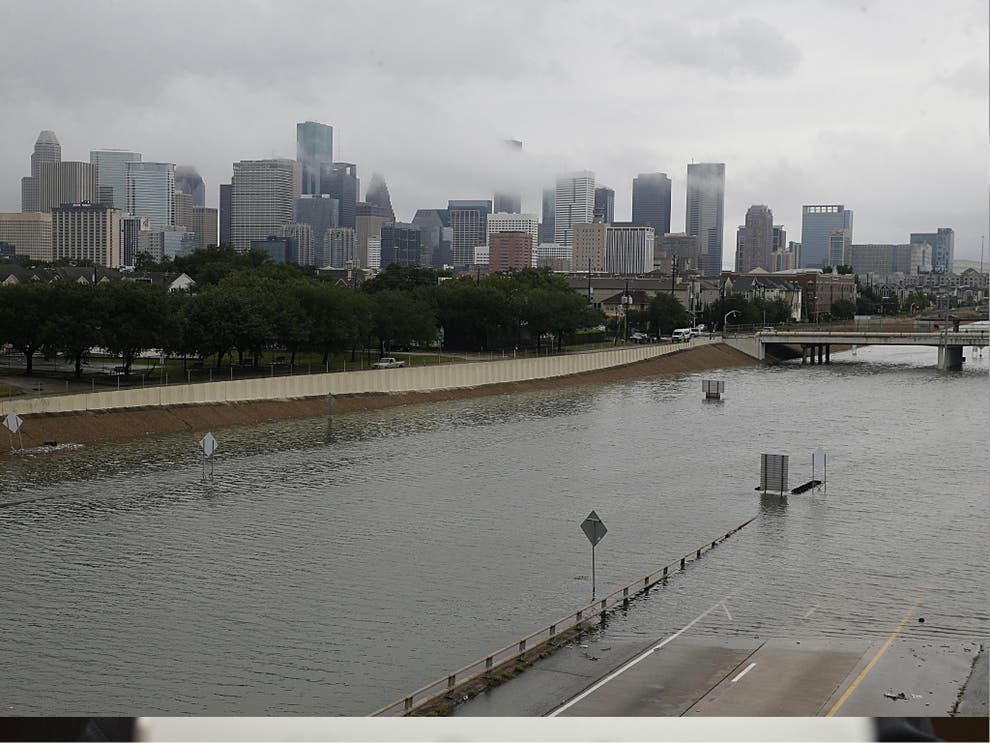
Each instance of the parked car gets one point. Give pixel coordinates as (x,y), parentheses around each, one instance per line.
(639,338)
(681,335)
(388,362)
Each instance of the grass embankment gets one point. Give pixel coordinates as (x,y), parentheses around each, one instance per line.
(117,425)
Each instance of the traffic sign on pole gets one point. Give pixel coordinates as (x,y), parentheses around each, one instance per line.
(13,422)
(593,528)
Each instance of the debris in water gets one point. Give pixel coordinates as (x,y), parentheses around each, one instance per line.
(892,695)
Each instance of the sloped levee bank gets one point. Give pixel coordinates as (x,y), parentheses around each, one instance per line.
(83,427)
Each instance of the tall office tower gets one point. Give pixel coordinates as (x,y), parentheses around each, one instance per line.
(151,192)
(604,205)
(46,150)
(838,247)
(511,251)
(509,201)
(651,201)
(188,180)
(705,214)
(911,259)
(320,212)
(183,208)
(279,248)
(547,231)
(368,229)
(755,243)
(226,206)
(29,232)
(341,243)
(629,249)
(131,229)
(263,192)
(200,220)
(175,241)
(374,251)
(679,246)
(943,245)
(340,180)
(588,247)
(817,223)
(65,183)
(86,232)
(528,223)
(400,244)
(377,194)
(432,223)
(314,151)
(469,225)
(779,237)
(302,239)
(574,203)
(111,173)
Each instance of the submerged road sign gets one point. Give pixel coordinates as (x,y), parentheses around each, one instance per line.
(594,528)
(208,444)
(13,422)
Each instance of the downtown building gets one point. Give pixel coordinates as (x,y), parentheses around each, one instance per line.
(943,247)
(469,229)
(651,201)
(151,192)
(302,242)
(47,149)
(87,232)
(826,231)
(314,152)
(29,232)
(556,257)
(65,183)
(912,258)
(604,205)
(111,176)
(340,181)
(200,220)
(369,222)
(189,181)
(503,222)
(321,212)
(510,251)
(755,240)
(628,249)
(588,247)
(400,244)
(547,231)
(574,203)
(509,201)
(435,236)
(263,193)
(705,214)
(341,245)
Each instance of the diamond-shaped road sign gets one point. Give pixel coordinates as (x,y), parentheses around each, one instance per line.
(208,444)
(594,528)
(13,422)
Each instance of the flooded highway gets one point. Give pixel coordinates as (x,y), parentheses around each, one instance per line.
(331,567)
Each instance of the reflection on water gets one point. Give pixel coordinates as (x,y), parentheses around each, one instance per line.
(332,565)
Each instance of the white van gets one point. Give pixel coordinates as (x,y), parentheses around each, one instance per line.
(681,335)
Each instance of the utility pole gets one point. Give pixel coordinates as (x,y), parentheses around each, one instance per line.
(673,271)
(591,295)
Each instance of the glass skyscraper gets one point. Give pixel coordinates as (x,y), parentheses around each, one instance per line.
(818,222)
(705,214)
(314,148)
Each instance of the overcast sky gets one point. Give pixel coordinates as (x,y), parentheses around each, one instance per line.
(878,105)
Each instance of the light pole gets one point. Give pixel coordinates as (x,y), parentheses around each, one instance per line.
(725,320)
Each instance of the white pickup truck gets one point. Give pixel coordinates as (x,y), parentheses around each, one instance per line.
(388,362)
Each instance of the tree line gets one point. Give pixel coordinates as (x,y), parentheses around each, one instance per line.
(243,306)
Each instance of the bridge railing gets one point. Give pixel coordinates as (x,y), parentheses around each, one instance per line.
(484,666)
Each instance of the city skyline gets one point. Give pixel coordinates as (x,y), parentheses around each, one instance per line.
(889,135)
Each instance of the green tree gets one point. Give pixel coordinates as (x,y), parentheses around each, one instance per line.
(26,318)
(76,320)
(843,309)
(400,319)
(666,314)
(134,316)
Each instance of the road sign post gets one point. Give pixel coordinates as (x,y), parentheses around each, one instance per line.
(209,445)
(13,424)
(593,528)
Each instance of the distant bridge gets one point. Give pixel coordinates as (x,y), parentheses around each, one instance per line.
(950,343)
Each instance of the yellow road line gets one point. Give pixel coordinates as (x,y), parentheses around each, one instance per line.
(873,661)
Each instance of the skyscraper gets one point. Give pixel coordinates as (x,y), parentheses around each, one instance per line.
(547,227)
(29,232)
(86,232)
(200,220)
(817,223)
(705,214)
(604,205)
(433,224)
(340,180)
(574,203)
(755,243)
(188,180)
(651,201)
(111,172)
(400,244)
(943,245)
(226,206)
(629,249)
(510,250)
(65,183)
(341,243)
(151,192)
(508,201)
(588,247)
(46,150)
(528,223)
(469,223)
(378,195)
(263,192)
(302,239)
(314,151)
(320,212)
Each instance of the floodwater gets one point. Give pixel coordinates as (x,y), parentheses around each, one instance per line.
(328,568)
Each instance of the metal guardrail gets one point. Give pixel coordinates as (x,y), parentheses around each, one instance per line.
(482,667)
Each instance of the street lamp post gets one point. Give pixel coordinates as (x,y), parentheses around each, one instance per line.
(725,320)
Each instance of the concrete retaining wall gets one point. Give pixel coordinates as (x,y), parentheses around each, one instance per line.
(415,379)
